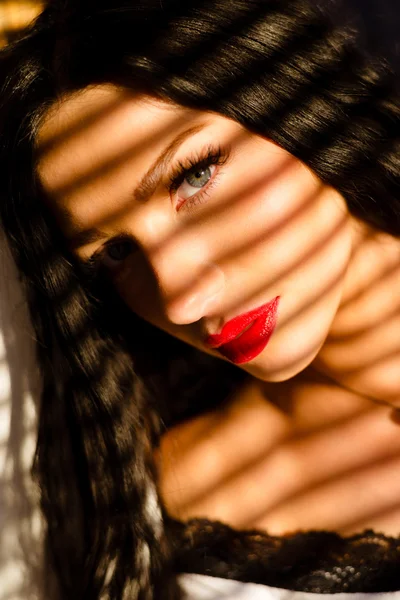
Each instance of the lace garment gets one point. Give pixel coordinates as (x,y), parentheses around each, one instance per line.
(315,561)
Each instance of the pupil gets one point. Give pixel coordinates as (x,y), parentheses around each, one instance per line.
(199,178)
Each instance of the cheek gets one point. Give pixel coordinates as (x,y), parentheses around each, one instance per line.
(285,231)
(256,204)
(136,286)
(311,296)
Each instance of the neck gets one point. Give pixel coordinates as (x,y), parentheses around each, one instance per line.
(362,350)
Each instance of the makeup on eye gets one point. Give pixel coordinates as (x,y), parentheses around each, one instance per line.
(191,180)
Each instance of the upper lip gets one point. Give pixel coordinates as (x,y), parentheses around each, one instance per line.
(236,326)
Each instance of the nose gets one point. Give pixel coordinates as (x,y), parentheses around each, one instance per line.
(184,277)
(200,299)
(190,286)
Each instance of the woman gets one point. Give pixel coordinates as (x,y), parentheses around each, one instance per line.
(231,171)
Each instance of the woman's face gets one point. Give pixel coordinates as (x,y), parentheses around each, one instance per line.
(212,233)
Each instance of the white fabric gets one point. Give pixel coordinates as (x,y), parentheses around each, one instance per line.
(20,525)
(201,587)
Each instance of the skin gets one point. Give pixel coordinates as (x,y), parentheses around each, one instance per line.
(189,260)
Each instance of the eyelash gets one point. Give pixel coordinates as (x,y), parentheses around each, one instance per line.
(92,267)
(211,156)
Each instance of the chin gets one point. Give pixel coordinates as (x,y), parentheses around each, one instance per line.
(274,368)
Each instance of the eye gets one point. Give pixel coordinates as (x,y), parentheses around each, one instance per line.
(191,181)
(195,179)
(116,252)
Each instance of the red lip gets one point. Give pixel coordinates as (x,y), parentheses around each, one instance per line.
(240,345)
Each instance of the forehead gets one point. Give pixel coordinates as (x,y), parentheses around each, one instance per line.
(95,146)
(101,126)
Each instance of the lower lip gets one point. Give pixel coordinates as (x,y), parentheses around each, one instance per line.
(246,346)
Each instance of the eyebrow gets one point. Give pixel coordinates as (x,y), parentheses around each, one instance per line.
(144,190)
(151,179)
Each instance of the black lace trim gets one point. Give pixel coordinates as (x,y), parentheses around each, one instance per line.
(315,561)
